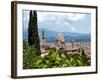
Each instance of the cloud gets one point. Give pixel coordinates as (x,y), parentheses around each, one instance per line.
(26,15)
(67,23)
(60,21)
(47,16)
(70,27)
(75,16)
(73,29)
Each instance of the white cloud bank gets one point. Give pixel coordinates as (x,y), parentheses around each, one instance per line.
(45,16)
(60,21)
(75,17)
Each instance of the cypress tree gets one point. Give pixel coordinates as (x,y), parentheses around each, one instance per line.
(30,38)
(33,37)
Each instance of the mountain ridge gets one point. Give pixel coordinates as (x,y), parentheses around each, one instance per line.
(51,35)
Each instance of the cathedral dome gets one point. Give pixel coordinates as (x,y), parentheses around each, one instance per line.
(60,37)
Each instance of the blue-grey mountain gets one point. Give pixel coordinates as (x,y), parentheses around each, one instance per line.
(69,36)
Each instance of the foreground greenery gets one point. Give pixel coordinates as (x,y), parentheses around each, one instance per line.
(54,59)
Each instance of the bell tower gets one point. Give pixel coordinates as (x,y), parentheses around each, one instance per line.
(43,39)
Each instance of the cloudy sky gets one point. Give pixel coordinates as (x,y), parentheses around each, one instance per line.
(61,22)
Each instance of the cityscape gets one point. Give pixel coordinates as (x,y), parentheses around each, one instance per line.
(70,46)
(56,39)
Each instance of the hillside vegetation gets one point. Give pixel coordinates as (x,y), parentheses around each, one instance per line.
(54,59)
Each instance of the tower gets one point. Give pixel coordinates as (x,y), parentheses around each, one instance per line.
(43,39)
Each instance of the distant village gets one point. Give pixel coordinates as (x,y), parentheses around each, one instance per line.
(60,42)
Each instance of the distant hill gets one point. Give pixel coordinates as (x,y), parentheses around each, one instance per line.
(69,36)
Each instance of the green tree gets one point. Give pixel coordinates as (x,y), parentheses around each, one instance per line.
(33,38)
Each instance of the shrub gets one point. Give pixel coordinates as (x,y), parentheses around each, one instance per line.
(54,59)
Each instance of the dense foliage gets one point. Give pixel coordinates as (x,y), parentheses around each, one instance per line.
(33,38)
(54,59)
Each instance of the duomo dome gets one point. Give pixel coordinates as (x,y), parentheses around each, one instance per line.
(60,37)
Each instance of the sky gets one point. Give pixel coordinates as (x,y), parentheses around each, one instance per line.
(61,21)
